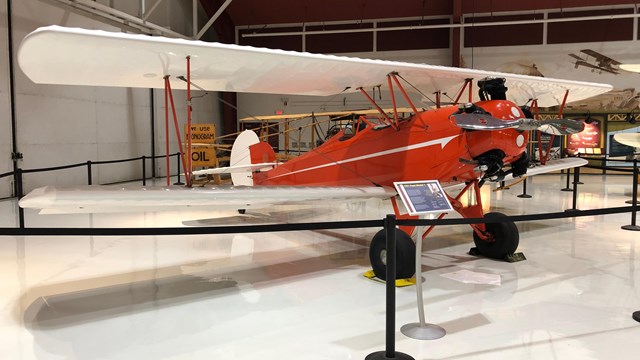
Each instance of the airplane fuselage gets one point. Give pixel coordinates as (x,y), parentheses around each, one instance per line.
(427,146)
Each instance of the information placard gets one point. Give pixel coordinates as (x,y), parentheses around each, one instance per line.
(423,197)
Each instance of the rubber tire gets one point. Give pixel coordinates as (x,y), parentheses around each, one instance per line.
(506,235)
(405,255)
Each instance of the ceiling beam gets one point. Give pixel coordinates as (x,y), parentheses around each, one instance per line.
(116,17)
(214,17)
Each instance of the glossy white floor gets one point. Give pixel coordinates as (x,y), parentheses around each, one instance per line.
(301,295)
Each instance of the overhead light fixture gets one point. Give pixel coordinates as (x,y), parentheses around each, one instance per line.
(631,119)
(588,119)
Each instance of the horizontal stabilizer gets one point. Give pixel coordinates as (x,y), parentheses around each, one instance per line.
(235,169)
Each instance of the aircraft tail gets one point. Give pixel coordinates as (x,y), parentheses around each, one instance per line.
(248,150)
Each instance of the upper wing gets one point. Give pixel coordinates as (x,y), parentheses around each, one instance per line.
(100,199)
(328,113)
(57,55)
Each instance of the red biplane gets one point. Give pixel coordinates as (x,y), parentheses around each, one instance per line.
(467,144)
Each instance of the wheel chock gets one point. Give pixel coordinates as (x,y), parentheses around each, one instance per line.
(515,257)
(399,282)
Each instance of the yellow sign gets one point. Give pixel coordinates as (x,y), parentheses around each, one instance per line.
(201,133)
(204,156)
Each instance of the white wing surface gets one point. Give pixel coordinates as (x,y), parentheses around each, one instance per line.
(101,199)
(553,166)
(629,139)
(58,55)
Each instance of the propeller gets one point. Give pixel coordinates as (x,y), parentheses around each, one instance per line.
(475,121)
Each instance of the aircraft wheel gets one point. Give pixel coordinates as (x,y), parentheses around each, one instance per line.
(505,234)
(405,255)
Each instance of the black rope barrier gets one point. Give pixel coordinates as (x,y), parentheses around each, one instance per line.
(100,162)
(10,173)
(103,162)
(45,231)
(609,168)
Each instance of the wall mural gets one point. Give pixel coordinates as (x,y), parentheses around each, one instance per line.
(592,62)
(604,115)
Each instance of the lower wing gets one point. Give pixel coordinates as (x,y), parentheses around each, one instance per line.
(101,199)
(552,166)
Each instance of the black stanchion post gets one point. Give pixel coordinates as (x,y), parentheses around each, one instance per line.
(390,332)
(524,194)
(567,188)
(634,203)
(144,170)
(634,198)
(19,195)
(89,177)
(179,182)
(576,181)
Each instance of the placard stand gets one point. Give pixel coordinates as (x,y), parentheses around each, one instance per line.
(421,330)
(422,198)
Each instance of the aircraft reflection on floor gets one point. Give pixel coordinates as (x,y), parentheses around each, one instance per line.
(266,295)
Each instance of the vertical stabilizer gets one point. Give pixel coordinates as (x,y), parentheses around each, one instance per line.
(248,150)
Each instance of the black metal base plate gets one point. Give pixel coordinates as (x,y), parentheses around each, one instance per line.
(524,196)
(382,355)
(630,227)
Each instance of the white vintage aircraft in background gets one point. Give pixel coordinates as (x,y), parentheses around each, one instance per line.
(483,139)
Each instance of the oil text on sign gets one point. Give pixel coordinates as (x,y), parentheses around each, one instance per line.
(203,156)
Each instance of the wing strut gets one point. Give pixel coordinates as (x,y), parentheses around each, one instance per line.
(468,82)
(543,159)
(373,102)
(394,75)
(167,89)
(189,149)
(395,121)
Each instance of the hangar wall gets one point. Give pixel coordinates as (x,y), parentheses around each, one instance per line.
(59,125)
(5,114)
(524,43)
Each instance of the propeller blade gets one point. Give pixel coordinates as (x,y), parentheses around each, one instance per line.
(482,122)
(561,126)
(487,122)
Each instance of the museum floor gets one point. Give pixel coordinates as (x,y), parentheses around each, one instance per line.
(301,295)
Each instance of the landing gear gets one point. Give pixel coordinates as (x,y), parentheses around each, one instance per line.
(503,240)
(405,255)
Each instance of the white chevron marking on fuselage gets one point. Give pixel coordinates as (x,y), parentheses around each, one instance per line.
(442,142)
